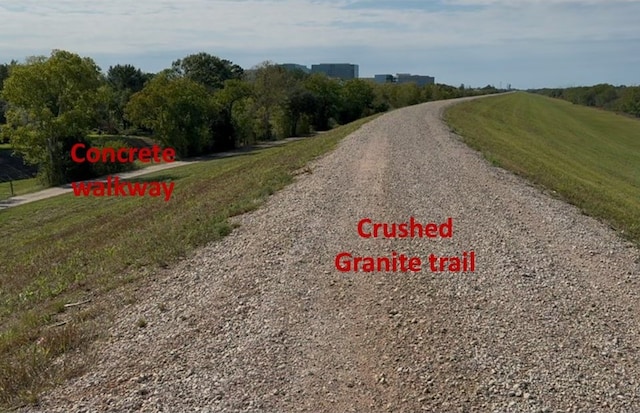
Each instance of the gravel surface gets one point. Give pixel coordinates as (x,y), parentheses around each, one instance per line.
(262,321)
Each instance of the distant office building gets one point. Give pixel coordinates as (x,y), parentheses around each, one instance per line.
(417,79)
(340,70)
(295,66)
(383,79)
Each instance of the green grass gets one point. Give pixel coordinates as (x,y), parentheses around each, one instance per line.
(590,157)
(68,248)
(20,187)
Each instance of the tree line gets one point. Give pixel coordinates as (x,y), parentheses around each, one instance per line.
(623,99)
(201,104)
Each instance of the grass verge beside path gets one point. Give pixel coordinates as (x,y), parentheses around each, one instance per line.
(590,157)
(20,187)
(68,249)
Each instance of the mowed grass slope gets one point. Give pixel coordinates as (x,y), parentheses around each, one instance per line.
(68,249)
(590,157)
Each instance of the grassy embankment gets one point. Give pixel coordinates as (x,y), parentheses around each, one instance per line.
(69,249)
(590,157)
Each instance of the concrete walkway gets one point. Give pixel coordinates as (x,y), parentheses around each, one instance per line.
(65,189)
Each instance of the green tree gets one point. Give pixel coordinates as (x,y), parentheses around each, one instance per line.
(110,110)
(357,100)
(127,77)
(4,74)
(229,130)
(210,71)
(427,93)
(272,85)
(442,91)
(244,117)
(51,103)
(327,97)
(630,100)
(301,105)
(605,95)
(407,94)
(382,100)
(122,81)
(178,111)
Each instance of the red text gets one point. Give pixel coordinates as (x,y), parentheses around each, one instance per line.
(122,155)
(346,262)
(369,229)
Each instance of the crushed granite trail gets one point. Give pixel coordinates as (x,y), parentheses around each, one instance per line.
(262,320)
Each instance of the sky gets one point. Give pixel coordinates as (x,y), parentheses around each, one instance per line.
(524,43)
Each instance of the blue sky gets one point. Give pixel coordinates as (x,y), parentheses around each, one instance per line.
(526,43)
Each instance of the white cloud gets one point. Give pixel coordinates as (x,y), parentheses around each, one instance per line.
(476,29)
(119,26)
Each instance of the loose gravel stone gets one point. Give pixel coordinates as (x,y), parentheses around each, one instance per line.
(262,321)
